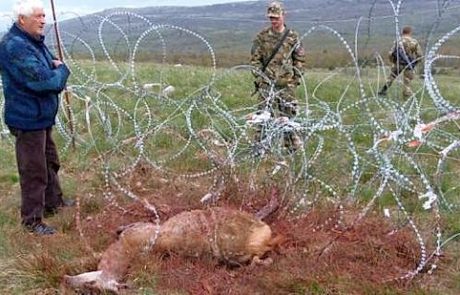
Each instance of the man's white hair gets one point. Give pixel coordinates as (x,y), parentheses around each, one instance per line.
(26,7)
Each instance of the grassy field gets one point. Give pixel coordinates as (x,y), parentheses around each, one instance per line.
(135,142)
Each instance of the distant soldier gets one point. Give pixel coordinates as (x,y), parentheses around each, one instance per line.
(404,55)
(277,52)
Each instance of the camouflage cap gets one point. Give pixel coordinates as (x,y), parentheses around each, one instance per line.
(275,9)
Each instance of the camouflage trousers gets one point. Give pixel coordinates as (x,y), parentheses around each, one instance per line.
(283,104)
(408,76)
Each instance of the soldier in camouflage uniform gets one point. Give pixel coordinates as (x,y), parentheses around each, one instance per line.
(404,58)
(283,70)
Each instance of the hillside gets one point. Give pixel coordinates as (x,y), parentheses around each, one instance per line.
(229,28)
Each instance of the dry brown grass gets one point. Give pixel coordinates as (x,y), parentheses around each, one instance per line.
(317,258)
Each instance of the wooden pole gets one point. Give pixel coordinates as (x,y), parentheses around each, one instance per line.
(61,58)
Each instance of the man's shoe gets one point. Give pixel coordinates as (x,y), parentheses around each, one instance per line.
(48,212)
(41,229)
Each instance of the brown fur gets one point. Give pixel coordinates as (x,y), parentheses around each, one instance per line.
(226,234)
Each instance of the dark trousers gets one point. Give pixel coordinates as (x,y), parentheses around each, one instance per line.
(38,166)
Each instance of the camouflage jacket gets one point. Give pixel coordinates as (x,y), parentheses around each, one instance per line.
(285,66)
(411,48)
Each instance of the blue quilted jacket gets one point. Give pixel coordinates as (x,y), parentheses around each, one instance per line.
(31,84)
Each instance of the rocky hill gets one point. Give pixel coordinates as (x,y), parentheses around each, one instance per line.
(229,28)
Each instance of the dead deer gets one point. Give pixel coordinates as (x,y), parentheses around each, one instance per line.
(226,234)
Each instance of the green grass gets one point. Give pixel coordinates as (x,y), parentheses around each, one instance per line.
(82,168)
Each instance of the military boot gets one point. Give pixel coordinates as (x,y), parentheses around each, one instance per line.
(292,142)
(258,148)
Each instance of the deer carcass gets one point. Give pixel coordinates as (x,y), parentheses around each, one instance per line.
(226,234)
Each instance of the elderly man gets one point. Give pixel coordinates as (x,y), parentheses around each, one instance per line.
(404,55)
(32,80)
(277,52)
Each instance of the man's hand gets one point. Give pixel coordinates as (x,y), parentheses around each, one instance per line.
(57,63)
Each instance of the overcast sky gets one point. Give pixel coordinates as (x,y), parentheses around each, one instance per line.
(67,8)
